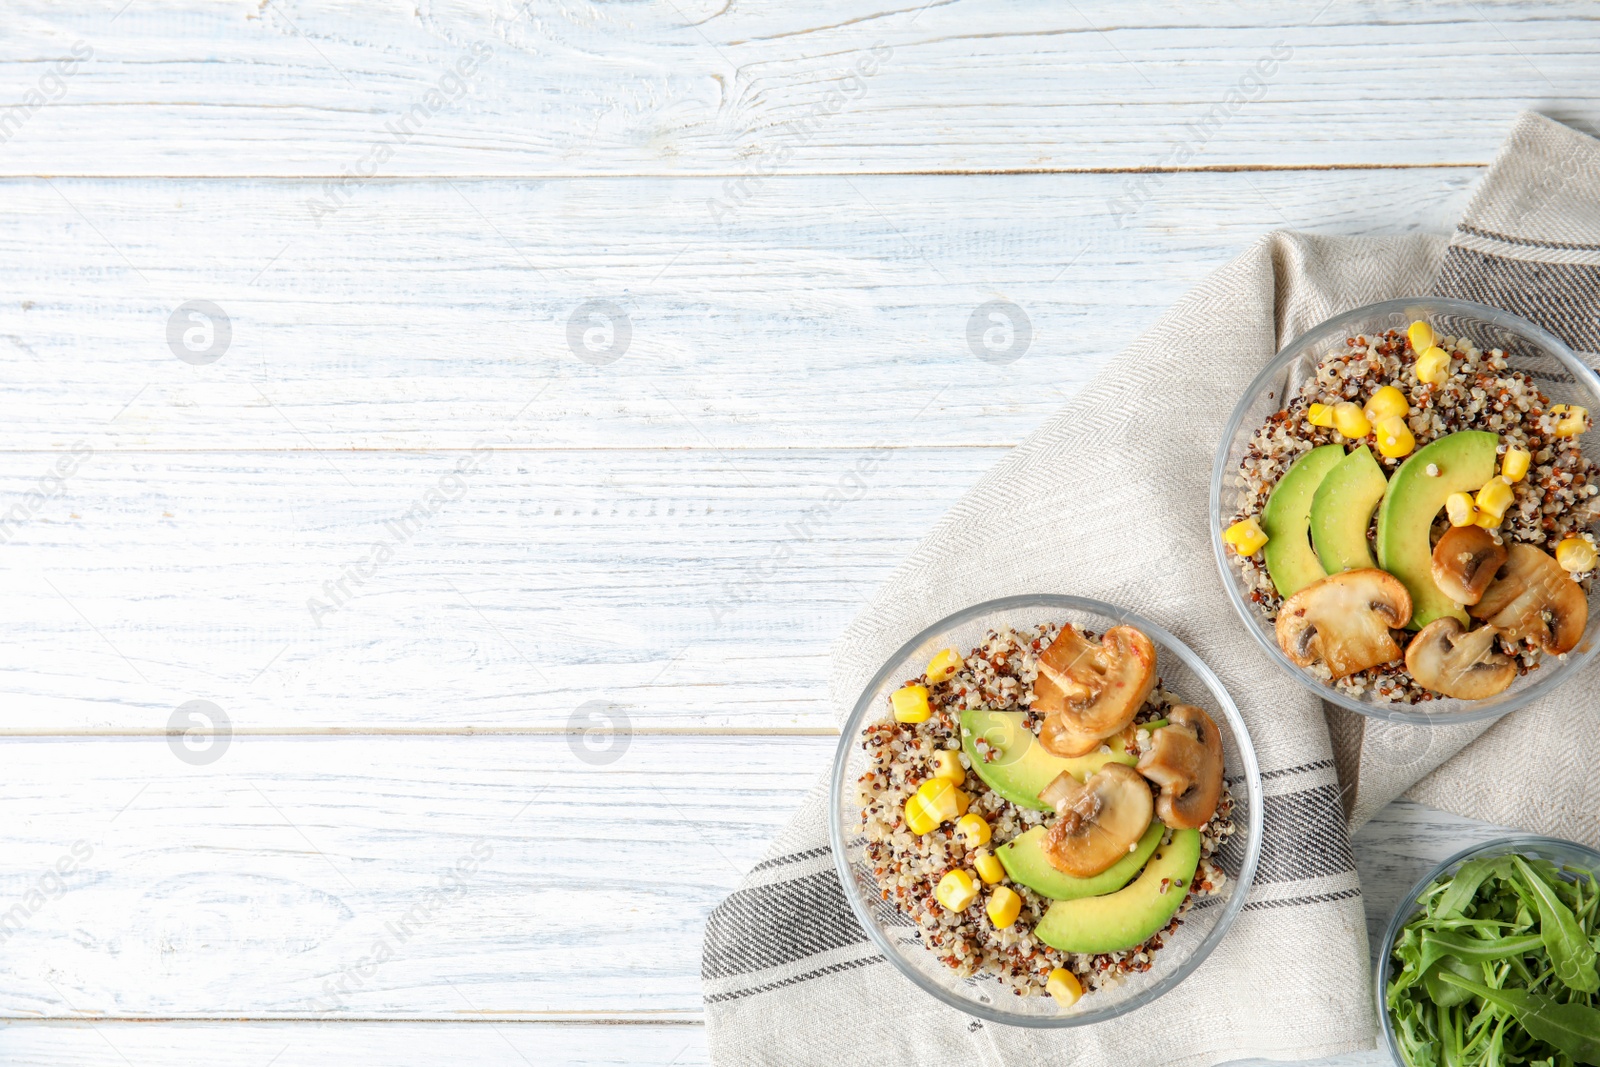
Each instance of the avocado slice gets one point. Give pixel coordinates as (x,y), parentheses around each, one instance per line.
(1024,767)
(1288,555)
(1465,461)
(1341,511)
(1025,862)
(1129,916)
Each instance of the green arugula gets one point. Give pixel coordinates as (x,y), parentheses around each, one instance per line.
(1572,1028)
(1569,948)
(1498,968)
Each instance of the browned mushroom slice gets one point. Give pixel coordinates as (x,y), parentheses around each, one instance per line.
(1531,596)
(1090,690)
(1449,660)
(1185,760)
(1098,821)
(1344,620)
(1465,561)
(1059,735)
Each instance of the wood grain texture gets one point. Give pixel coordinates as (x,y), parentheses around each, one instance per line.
(268,1044)
(749,90)
(833,312)
(441,878)
(693,590)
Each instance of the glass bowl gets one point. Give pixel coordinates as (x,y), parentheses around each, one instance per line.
(1529,348)
(1184,675)
(1557,851)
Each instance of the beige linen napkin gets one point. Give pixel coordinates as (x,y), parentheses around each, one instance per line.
(1108,500)
(1529,243)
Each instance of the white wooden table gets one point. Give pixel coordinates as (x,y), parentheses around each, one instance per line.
(529,333)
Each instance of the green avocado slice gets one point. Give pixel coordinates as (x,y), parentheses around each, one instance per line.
(1022,766)
(1129,916)
(1465,461)
(1025,862)
(1288,554)
(1341,511)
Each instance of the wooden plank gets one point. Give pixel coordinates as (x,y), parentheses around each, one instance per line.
(260,1044)
(302,591)
(831,312)
(313,878)
(750,90)
(1399,846)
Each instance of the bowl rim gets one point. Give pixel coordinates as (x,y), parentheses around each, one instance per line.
(1403,911)
(1405,713)
(1187,656)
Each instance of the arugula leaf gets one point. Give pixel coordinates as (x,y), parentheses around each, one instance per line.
(1443,993)
(1573,1029)
(1464,886)
(1570,951)
(1471,949)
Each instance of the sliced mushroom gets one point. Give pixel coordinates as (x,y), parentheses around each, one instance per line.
(1185,760)
(1455,662)
(1060,735)
(1089,691)
(1465,561)
(1532,596)
(1344,620)
(1098,821)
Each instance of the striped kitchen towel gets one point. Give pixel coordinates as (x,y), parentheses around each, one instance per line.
(1109,500)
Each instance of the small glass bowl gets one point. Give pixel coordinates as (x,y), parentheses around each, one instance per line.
(1562,853)
(1184,675)
(1529,348)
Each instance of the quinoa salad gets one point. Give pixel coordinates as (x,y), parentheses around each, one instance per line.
(1415,521)
(1043,810)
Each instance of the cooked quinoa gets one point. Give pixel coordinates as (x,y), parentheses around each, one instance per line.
(998,674)
(1559,497)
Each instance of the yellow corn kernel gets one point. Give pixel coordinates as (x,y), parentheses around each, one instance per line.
(1004,907)
(1320,415)
(1350,420)
(1493,499)
(1572,420)
(920,817)
(1246,536)
(988,865)
(1577,555)
(944,799)
(911,704)
(947,766)
(1514,467)
(1385,402)
(974,830)
(1420,334)
(1433,366)
(1394,437)
(1461,509)
(943,666)
(1064,986)
(956,890)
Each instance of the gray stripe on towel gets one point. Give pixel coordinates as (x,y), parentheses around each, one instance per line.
(1564,298)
